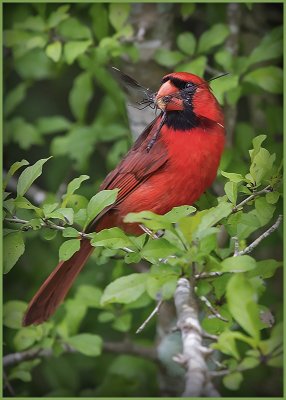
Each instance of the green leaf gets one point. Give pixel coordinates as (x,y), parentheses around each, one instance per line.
(264,210)
(186,42)
(106,316)
(14,247)
(54,50)
(14,168)
(29,175)
(238,264)
(77,202)
(16,37)
(89,295)
(213,37)
(22,132)
(230,189)
(26,337)
(125,289)
(265,269)
(71,28)
(68,248)
(64,214)
(99,202)
(149,219)
(233,380)
(168,58)
(58,16)
(196,66)
(14,98)
(236,178)
(226,344)
(156,249)
(225,59)
(70,232)
(22,202)
(178,213)
(113,238)
(52,124)
(164,286)
(269,79)
(261,166)
(242,224)
(249,363)
(257,142)
(13,312)
(80,95)
(122,323)
(99,16)
(33,23)
(72,187)
(212,216)
(222,86)
(241,302)
(272,197)
(49,208)
(75,312)
(86,343)
(270,47)
(118,14)
(187,9)
(73,49)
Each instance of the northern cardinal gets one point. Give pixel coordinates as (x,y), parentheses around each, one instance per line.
(172,163)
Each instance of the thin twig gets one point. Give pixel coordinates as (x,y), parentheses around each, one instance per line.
(154,312)
(212,309)
(257,241)
(236,246)
(8,385)
(44,224)
(207,335)
(124,347)
(206,275)
(267,189)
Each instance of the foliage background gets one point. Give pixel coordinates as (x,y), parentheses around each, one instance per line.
(60,100)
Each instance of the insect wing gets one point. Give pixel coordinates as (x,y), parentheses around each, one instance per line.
(137,94)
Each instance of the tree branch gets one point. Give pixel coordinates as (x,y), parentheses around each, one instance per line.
(267,189)
(124,347)
(198,382)
(154,312)
(44,224)
(256,242)
(212,309)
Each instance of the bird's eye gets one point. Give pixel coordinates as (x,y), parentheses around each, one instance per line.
(189,85)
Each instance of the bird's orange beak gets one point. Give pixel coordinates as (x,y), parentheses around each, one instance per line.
(168,98)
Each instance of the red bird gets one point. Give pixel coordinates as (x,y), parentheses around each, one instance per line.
(172,163)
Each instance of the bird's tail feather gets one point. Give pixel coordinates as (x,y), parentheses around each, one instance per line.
(54,289)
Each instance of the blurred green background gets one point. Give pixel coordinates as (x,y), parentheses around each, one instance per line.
(60,100)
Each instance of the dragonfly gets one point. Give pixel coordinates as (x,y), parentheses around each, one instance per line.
(150,99)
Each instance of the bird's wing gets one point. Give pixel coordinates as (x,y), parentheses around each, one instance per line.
(135,167)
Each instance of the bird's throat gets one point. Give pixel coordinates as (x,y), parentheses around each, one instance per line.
(184,120)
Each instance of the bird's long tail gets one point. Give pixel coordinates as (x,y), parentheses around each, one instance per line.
(54,289)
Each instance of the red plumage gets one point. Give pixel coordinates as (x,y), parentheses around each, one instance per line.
(179,167)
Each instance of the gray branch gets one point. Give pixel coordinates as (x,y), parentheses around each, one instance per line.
(124,347)
(267,189)
(198,381)
(257,241)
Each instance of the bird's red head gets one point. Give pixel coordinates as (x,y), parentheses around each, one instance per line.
(184,91)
